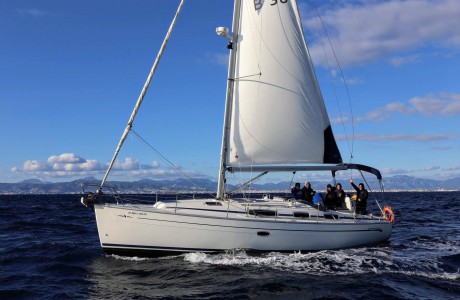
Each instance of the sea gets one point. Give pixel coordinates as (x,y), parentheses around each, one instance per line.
(49,249)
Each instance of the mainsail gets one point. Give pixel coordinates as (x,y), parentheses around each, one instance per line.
(278,113)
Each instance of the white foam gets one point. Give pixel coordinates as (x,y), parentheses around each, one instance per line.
(440,246)
(239,258)
(441,275)
(322,263)
(128,258)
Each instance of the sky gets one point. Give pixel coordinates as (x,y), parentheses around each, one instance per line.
(71,72)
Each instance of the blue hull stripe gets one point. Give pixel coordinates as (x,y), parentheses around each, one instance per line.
(142,247)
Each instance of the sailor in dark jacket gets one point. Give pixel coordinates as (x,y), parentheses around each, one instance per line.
(308,193)
(329,199)
(362,195)
(296,191)
(339,196)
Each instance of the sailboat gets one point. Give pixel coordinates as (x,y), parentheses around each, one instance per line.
(275,120)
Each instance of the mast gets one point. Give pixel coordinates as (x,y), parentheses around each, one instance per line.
(141,96)
(229,98)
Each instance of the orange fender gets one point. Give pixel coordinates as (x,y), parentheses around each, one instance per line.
(388,214)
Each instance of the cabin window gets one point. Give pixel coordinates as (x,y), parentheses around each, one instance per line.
(262,212)
(300,214)
(331,216)
(263,233)
(213,203)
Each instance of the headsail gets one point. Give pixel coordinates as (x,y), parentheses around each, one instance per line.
(278,114)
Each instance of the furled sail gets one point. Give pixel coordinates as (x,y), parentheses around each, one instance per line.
(278,114)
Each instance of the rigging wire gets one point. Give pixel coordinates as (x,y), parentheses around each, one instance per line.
(351,149)
(247,184)
(190,179)
(372,193)
(335,92)
(290,184)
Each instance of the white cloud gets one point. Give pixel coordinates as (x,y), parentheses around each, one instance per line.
(430,168)
(33,166)
(60,165)
(220,59)
(453,168)
(86,165)
(352,81)
(91,165)
(402,60)
(70,164)
(155,164)
(128,164)
(153,173)
(432,104)
(132,164)
(336,77)
(444,104)
(362,31)
(340,120)
(66,158)
(382,113)
(393,171)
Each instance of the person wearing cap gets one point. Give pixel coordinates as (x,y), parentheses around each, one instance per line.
(361,197)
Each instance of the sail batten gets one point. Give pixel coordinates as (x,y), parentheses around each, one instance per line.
(278,115)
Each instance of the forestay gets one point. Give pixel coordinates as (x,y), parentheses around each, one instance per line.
(278,114)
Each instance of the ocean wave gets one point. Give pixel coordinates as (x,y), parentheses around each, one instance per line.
(51,250)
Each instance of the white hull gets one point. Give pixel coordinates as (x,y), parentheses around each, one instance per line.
(193,226)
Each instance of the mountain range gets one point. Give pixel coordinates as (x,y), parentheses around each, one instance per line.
(35,186)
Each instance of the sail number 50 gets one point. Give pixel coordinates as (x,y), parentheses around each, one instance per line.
(275,2)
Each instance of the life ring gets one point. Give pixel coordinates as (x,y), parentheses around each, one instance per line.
(388,214)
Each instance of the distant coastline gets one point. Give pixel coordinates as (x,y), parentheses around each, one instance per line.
(200,186)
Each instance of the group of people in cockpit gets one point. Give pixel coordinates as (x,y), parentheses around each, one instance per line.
(334,197)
